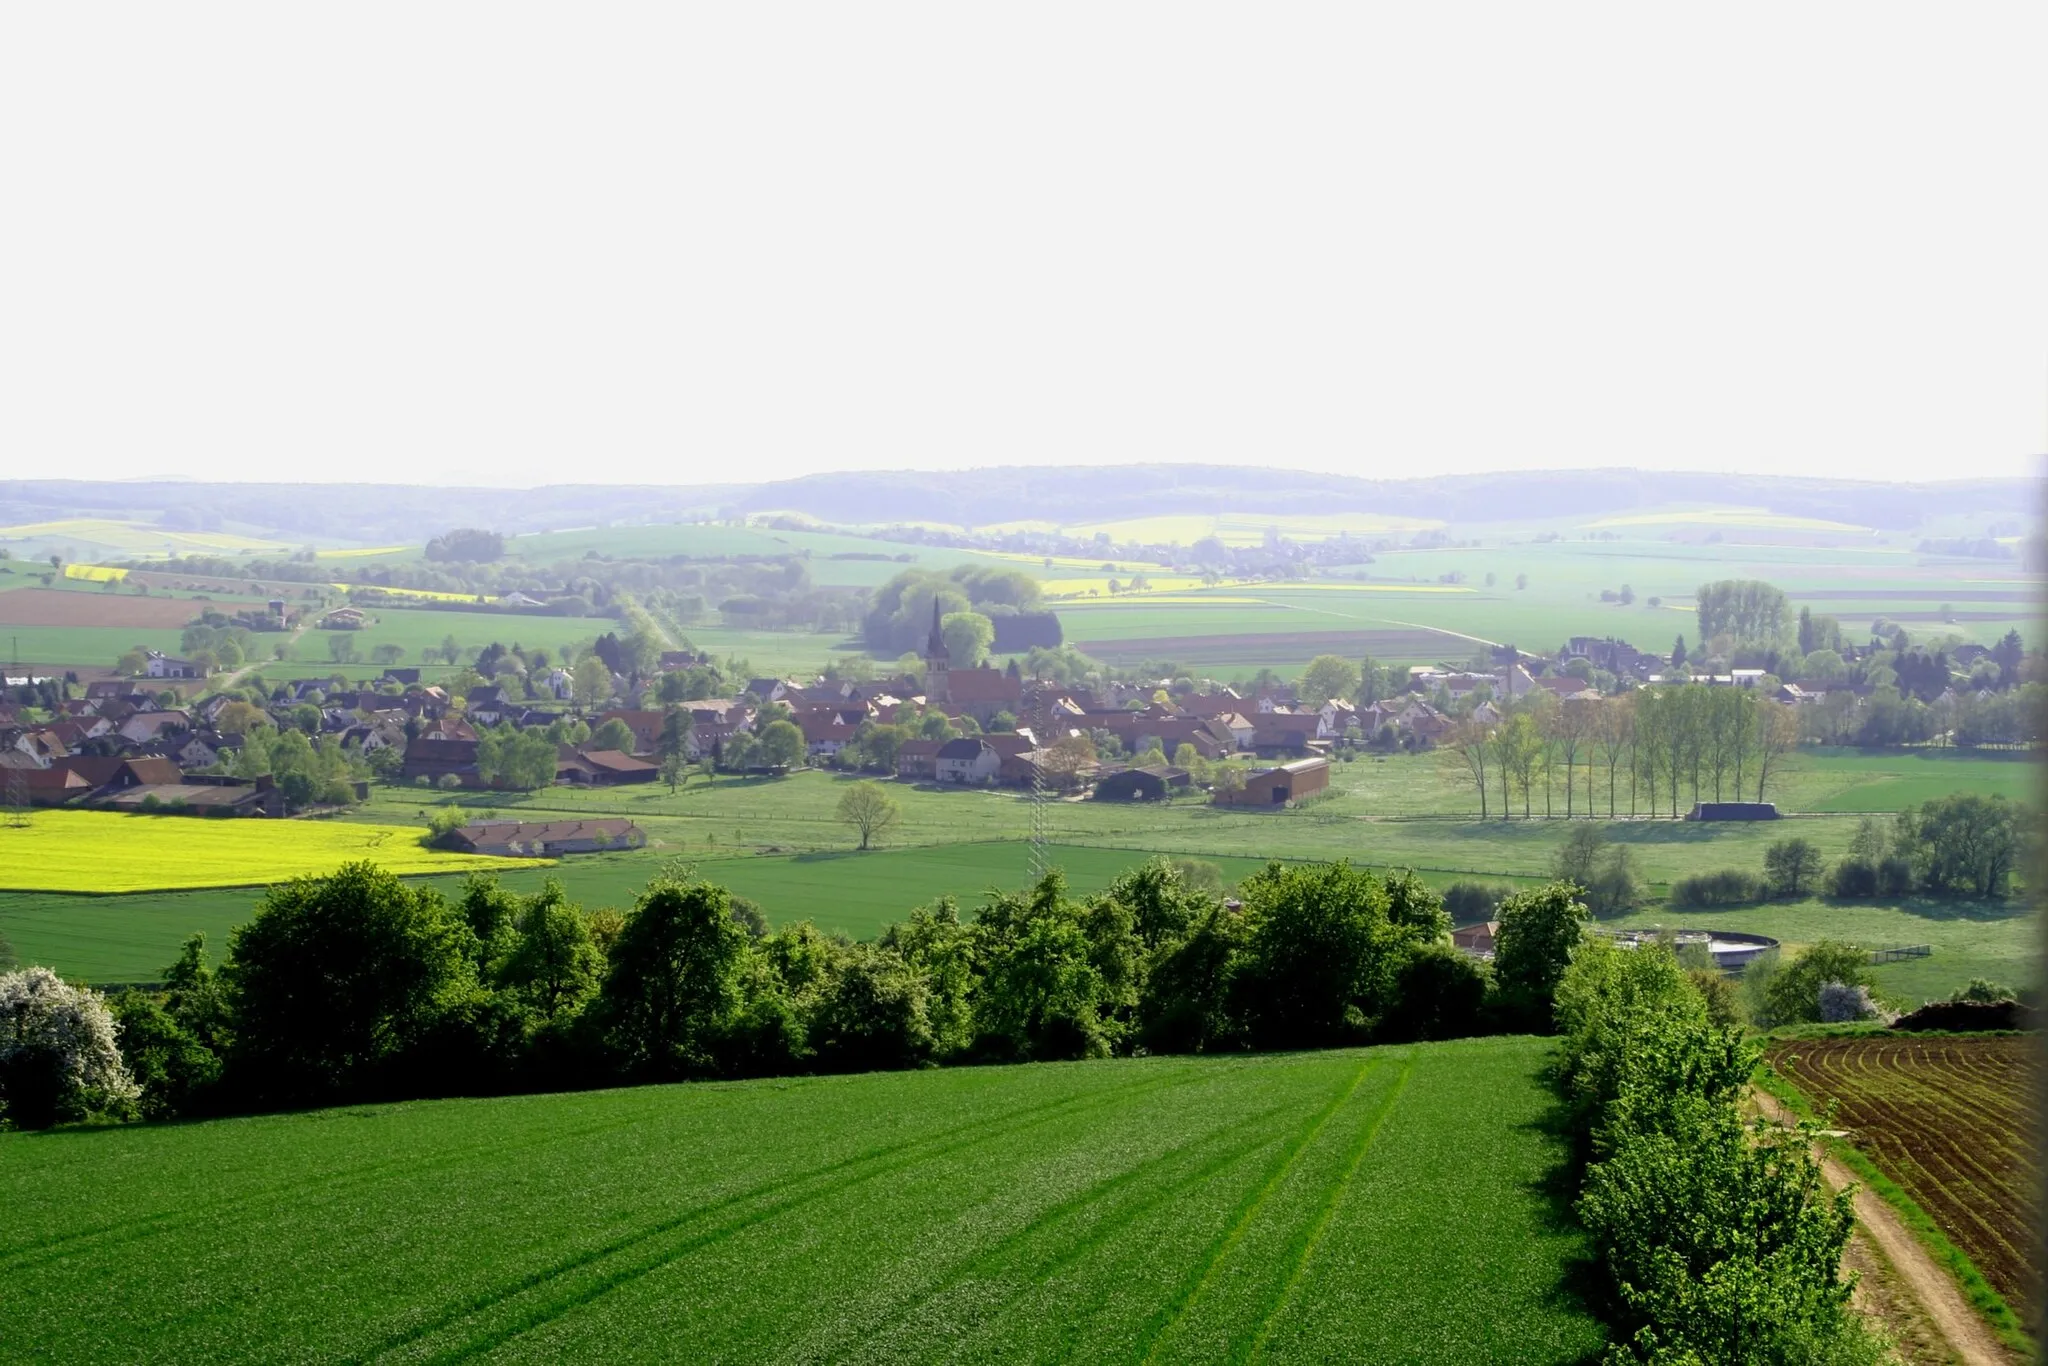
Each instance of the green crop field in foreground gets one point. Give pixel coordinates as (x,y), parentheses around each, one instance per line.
(1365,1205)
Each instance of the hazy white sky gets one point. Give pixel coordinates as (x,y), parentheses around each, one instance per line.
(693,243)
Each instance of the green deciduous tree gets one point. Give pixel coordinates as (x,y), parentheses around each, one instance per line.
(1326,676)
(782,745)
(869,809)
(968,636)
(348,985)
(1320,962)
(1964,844)
(1539,930)
(1792,867)
(672,981)
(1793,993)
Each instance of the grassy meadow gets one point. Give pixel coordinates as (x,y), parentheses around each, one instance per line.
(780,843)
(1308,1207)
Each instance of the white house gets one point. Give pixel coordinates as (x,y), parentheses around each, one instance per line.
(969,759)
(161,665)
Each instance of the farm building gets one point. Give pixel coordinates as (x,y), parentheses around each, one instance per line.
(918,759)
(1476,940)
(431,757)
(1153,783)
(545,839)
(200,794)
(1278,735)
(601,767)
(1733,811)
(1280,786)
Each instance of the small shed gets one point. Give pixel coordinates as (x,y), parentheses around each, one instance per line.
(1733,811)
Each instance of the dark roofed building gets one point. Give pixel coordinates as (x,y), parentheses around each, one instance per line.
(432,758)
(1733,811)
(1152,783)
(601,767)
(546,839)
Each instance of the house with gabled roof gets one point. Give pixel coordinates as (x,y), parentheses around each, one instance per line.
(969,759)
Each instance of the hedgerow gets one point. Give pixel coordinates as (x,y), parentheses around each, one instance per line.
(1717,1239)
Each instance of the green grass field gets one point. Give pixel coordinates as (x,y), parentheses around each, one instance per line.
(1314,1207)
(93,646)
(780,843)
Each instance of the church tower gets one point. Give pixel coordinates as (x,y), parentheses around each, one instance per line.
(935,660)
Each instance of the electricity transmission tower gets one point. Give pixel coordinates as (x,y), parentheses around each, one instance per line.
(1041,823)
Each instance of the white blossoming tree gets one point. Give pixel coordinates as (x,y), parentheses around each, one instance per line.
(58,1058)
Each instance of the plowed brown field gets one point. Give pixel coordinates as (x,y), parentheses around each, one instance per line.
(1951,1121)
(57,607)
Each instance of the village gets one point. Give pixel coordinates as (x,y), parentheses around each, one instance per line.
(136,744)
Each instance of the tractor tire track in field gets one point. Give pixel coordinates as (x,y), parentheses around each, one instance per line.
(1304,1250)
(825,1181)
(1203,1274)
(994,1256)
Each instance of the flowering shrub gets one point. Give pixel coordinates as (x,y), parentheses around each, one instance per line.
(58,1058)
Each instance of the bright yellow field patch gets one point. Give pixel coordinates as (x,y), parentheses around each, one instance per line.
(424,594)
(104,851)
(1727,517)
(1066,561)
(1062,589)
(363,553)
(94,573)
(1169,600)
(136,536)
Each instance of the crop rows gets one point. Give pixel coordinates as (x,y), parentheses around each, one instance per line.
(1950,1120)
(1302,1208)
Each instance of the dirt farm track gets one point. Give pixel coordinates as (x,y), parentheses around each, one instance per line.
(53,607)
(1951,1121)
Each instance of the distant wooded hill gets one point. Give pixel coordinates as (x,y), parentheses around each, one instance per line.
(399,514)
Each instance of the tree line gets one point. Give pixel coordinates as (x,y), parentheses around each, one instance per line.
(360,986)
(1654,746)
(1715,1240)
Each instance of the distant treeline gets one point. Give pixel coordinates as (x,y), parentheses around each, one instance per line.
(404,514)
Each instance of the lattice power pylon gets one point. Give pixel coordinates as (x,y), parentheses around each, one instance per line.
(1041,825)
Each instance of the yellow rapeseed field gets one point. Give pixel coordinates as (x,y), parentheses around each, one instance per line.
(105,851)
(94,573)
(422,594)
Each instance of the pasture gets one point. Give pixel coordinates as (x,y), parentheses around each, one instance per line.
(1308,1207)
(780,843)
(413,629)
(1950,1121)
(104,851)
